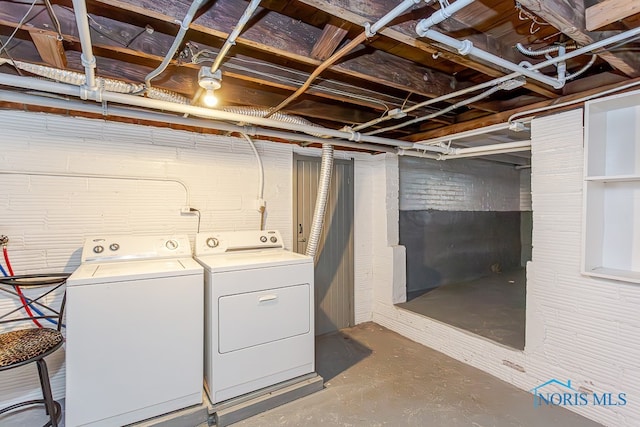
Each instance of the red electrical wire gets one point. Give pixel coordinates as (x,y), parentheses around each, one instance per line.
(18,290)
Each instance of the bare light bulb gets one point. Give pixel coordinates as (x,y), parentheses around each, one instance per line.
(210,99)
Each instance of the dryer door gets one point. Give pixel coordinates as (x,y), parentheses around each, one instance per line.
(254,318)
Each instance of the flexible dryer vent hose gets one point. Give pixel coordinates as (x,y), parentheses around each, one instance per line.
(324,185)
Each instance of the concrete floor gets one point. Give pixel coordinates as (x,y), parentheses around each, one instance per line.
(375,377)
(492,306)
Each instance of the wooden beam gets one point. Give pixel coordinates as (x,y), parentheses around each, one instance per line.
(332,36)
(504,116)
(608,11)
(290,39)
(568,17)
(49,47)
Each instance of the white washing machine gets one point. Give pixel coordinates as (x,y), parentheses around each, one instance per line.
(135,322)
(258,312)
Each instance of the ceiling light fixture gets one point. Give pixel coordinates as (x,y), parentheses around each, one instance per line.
(210,82)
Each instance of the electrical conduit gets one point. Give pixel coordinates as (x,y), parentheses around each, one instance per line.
(184,27)
(231,40)
(260,200)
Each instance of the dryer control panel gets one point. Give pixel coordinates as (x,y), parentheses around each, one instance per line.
(120,248)
(208,243)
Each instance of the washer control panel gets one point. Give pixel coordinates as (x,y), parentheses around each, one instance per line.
(119,248)
(229,241)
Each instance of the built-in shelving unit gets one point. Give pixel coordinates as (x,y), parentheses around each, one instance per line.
(612,188)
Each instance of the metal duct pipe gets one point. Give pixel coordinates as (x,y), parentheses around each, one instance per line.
(326,169)
(88,60)
(184,27)
(9,96)
(231,40)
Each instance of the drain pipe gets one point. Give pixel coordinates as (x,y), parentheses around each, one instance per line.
(184,27)
(88,60)
(324,185)
(423,28)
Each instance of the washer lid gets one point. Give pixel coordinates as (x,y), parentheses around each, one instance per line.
(244,260)
(96,273)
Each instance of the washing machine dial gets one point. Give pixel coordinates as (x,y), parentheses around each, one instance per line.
(98,249)
(171,244)
(114,246)
(263,239)
(273,239)
(212,242)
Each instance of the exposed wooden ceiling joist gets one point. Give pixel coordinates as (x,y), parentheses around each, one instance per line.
(568,17)
(607,11)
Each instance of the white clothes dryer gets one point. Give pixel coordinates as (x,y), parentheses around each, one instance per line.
(259,312)
(134,330)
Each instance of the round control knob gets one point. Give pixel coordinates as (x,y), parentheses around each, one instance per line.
(98,249)
(114,246)
(212,242)
(273,239)
(171,244)
(263,239)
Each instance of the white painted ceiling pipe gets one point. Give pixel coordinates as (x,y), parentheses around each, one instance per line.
(109,110)
(517,145)
(371,30)
(88,60)
(231,40)
(467,48)
(441,14)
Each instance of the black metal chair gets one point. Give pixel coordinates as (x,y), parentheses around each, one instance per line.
(19,347)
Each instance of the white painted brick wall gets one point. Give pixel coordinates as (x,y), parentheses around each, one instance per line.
(577,328)
(458,185)
(48,217)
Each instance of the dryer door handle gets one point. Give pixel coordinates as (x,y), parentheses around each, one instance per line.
(266,298)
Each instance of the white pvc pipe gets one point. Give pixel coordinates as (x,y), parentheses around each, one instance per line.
(517,145)
(371,30)
(442,14)
(467,48)
(184,27)
(88,60)
(231,40)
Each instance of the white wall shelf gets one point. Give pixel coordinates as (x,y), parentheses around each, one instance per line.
(612,188)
